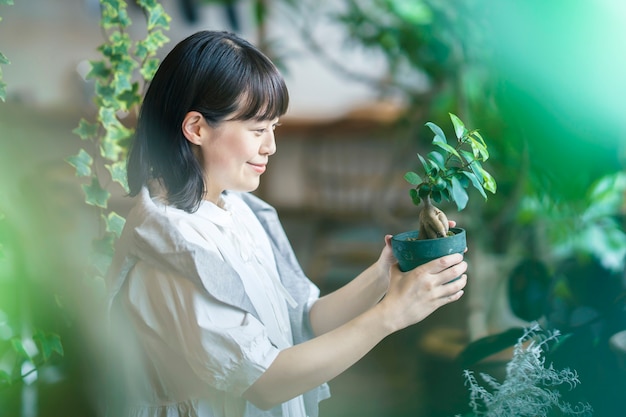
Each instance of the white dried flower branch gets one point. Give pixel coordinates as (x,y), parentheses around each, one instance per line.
(528,388)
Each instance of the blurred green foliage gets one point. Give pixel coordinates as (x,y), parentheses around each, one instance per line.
(543,80)
(3,60)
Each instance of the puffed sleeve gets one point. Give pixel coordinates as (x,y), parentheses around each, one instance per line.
(226,347)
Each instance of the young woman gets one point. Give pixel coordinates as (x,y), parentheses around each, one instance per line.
(211,313)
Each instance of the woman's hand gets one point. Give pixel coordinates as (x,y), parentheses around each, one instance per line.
(414,295)
(386,259)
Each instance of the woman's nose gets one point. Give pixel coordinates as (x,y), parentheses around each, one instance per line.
(269,144)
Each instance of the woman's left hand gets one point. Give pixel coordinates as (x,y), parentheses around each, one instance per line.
(387,259)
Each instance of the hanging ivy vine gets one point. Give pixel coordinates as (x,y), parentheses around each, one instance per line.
(3,59)
(126,67)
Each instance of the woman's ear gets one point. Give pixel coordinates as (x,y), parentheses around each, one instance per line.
(193,126)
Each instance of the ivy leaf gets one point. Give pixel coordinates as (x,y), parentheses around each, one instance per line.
(413,178)
(95,195)
(5,378)
(86,130)
(114,223)
(115,132)
(18,348)
(129,98)
(81,162)
(118,173)
(48,343)
(105,95)
(149,68)
(459,126)
(102,255)
(98,70)
(155,40)
(3,91)
(459,195)
(3,59)
(157,17)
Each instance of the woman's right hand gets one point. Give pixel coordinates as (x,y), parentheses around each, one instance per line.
(414,295)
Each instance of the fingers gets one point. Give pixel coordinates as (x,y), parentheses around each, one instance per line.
(440,264)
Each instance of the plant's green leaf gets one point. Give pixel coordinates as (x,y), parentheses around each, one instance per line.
(95,195)
(116,132)
(479,149)
(122,82)
(467,156)
(476,135)
(3,59)
(105,95)
(157,17)
(114,223)
(489,182)
(118,173)
(412,12)
(413,178)
(110,150)
(98,70)
(6,2)
(440,137)
(436,196)
(121,42)
(3,90)
(459,126)
(415,198)
(445,193)
(86,130)
(463,180)
(155,40)
(48,343)
(447,148)
(129,98)
(102,255)
(475,182)
(82,162)
(459,195)
(113,14)
(437,160)
(424,190)
(5,378)
(149,68)
(425,164)
(18,348)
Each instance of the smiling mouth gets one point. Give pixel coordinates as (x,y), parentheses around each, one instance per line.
(258,168)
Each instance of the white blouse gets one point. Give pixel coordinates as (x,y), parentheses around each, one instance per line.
(187,353)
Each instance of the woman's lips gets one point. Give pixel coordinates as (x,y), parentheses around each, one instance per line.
(260,168)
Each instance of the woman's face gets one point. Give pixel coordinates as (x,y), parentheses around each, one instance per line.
(235,154)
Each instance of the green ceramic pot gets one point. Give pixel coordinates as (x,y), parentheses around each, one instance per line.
(412,253)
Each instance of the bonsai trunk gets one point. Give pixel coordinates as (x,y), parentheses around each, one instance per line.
(433,222)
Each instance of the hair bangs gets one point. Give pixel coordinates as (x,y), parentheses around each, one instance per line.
(265,97)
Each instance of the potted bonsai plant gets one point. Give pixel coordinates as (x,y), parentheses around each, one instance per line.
(447,172)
